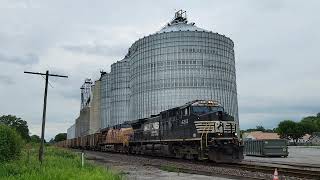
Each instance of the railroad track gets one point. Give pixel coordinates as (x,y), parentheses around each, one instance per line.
(210,173)
(298,165)
(285,170)
(180,165)
(186,166)
(308,171)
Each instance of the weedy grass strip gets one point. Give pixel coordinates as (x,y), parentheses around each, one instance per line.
(58,164)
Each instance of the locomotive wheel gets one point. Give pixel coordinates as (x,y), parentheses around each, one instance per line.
(178,154)
(198,157)
(189,156)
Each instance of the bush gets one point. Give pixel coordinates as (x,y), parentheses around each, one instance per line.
(10,143)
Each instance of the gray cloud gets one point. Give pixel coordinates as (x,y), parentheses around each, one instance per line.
(98,49)
(28,59)
(6,80)
(72,95)
(275,107)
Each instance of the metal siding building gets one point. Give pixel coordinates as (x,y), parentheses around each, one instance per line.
(84,122)
(120,92)
(109,96)
(103,100)
(77,126)
(106,95)
(181,63)
(71,132)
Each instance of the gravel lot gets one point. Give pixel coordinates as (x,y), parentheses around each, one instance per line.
(146,173)
(134,168)
(297,155)
(138,167)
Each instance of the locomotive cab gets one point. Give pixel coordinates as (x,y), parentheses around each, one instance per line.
(217,131)
(210,118)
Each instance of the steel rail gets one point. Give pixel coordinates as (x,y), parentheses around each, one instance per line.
(283,169)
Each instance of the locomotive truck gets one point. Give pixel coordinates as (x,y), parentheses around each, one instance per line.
(199,129)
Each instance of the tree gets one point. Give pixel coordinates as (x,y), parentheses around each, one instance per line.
(18,124)
(10,143)
(290,130)
(260,128)
(311,124)
(318,115)
(60,137)
(35,139)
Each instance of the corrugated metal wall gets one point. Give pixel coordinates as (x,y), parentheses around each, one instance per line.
(172,68)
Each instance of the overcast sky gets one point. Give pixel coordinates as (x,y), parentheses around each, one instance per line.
(276,45)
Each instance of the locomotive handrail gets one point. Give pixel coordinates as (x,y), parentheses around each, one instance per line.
(207,134)
(205,130)
(201,146)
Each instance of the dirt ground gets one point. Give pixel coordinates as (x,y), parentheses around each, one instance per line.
(136,171)
(145,173)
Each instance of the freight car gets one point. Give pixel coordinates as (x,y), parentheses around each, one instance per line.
(197,130)
(117,139)
(266,148)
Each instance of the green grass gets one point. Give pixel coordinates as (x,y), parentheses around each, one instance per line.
(169,168)
(58,164)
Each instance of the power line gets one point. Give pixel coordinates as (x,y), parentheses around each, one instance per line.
(48,81)
(44,107)
(28,72)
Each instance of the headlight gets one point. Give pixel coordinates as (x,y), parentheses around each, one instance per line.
(236,134)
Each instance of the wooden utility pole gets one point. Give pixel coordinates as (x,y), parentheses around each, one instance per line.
(44,108)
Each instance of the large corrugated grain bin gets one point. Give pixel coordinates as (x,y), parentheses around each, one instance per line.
(267,148)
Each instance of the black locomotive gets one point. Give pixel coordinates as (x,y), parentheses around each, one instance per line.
(197,130)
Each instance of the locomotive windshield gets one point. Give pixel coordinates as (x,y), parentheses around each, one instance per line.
(206,109)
